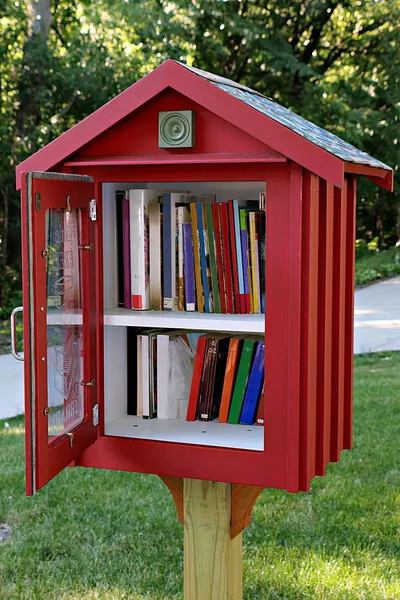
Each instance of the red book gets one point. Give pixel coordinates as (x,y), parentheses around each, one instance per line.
(238,304)
(191,414)
(226,257)
(218,252)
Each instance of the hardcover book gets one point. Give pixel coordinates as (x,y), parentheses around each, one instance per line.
(227,258)
(155,256)
(242,377)
(196,259)
(196,379)
(233,358)
(250,403)
(213,258)
(221,277)
(188,268)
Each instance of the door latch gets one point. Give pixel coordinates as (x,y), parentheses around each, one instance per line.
(71,439)
(88,383)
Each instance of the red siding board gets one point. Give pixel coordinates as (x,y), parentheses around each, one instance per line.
(338,321)
(294,332)
(309,296)
(349,313)
(324,352)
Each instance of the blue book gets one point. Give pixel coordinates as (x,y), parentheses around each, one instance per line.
(203,263)
(188,267)
(235,204)
(253,390)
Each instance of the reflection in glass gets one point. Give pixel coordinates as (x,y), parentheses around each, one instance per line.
(64,322)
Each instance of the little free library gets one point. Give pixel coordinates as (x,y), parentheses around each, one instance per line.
(188,283)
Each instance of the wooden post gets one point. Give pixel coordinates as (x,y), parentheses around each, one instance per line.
(213,515)
(213,561)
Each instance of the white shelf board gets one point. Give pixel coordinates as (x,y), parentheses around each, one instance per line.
(185,320)
(204,433)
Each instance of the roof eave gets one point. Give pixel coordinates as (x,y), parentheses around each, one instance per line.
(381,176)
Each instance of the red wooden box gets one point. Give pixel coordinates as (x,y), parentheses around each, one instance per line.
(245,145)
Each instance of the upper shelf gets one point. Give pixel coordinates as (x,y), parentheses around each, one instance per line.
(185,320)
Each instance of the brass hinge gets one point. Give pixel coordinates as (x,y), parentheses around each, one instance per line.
(38,201)
(68,208)
(45,253)
(93,210)
(88,247)
(88,383)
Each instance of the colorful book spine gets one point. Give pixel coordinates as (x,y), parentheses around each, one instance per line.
(241,381)
(250,403)
(254,276)
(126,252)
(216,223)
(244,239)
(232,363)
(183,216)
(234,254)
(188,267)
(196,379)
(139,201)
(203,263)
(220,368)
(261,259)
(236,217)
(213,258)
(226,257)
(155,256)
(196,259)
(210,353)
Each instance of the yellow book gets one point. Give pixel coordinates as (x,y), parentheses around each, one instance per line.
(196,258)
(253,262)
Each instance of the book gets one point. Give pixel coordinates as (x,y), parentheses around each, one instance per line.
(119,198)
(221,278)
(232,363)
(242,378)
(183,217)
(191,414)
(126,251)
(175,363)
(188,268)
(236,219)
(196,259)
(218,377)
(206,402)
(244,239)
(155,256)
(170,246)
(132,370)
(203,260)
(253,390)
(260,410)
(139,201)
(261,259)
(234,249)
(139,380)
(213,259)
(254,220)
(226,258)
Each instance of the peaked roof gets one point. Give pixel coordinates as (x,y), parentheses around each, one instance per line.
(300,140)
(315,134)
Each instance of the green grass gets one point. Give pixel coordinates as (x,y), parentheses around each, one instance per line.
(102,535)
(373,266)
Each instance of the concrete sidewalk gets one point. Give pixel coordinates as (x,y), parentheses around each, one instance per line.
(376,328)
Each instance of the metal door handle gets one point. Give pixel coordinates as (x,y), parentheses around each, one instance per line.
(15,354)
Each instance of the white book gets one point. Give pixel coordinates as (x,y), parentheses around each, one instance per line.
(139,201)
(155,256)
(175,360)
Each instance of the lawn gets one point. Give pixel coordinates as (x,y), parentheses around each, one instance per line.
(372,266)
(99,535)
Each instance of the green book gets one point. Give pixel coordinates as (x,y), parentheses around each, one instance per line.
(213,259)
(242,377)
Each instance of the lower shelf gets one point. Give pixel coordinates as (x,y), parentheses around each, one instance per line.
(212,433)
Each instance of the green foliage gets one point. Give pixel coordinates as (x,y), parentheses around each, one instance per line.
(333,61)
(373,264)
(108,535)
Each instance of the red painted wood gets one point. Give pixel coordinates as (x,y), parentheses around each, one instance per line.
(295,233)
(51,458)
(338,321)
(279,375)
(382,177)
(180,460)
(181,159)
(309,314)
(324,351)
(159,173)
(99,303)
(349,313)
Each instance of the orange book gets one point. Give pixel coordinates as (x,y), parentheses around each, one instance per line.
(196,259)
(196,379)
(260,411)
(235,348)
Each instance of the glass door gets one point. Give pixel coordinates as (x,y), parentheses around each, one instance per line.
(59,305)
